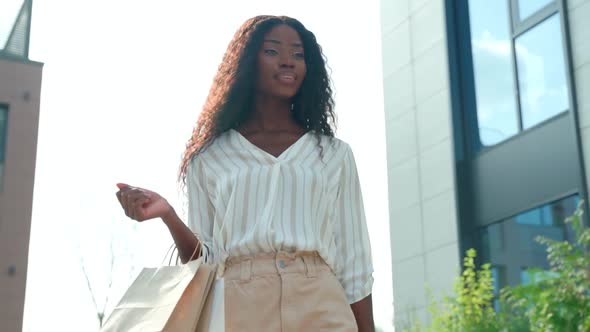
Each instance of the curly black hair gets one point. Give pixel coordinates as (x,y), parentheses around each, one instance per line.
(231,98)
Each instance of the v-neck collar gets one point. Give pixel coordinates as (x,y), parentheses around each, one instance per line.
(266,154)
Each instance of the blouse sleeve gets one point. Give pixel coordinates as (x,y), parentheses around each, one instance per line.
(200,209)
(352,238)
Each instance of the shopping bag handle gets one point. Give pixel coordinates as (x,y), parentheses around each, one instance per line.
(174,249)
(194,255)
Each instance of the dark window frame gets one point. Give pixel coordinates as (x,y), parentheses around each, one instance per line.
(519,27)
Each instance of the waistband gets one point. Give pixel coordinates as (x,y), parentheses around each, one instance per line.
(304,262)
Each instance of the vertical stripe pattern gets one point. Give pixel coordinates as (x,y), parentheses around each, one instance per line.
(244,201)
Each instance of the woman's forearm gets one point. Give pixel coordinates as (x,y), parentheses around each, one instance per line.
(363,313)
(184,238)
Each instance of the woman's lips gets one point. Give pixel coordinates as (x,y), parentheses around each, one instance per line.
(286,78)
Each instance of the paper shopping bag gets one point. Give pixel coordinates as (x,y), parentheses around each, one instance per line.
(194,305)
(162,295)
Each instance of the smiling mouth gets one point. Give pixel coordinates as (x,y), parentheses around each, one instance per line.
(286,78)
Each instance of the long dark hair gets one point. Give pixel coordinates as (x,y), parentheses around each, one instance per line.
(232,93)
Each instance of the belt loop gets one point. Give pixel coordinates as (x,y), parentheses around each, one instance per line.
(245,270)
(310,267)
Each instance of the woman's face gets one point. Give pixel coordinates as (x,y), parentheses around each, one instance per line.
(281,63)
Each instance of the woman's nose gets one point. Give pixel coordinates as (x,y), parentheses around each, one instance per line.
(287,61)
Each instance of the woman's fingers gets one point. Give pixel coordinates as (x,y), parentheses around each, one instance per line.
(137,205)
(131,200)
(132,196)
(121,185)
(138,210)
(130,207)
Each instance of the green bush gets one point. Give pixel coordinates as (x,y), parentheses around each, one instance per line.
(555,300)
(469,308)
(558,299)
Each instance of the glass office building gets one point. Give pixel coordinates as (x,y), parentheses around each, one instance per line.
(487,110)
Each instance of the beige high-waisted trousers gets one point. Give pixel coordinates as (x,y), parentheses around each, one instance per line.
(287,292)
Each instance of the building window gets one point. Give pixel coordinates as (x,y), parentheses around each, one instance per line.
(519,68)
(498,276)
(528,7)
(510,245)
(493,70)
(3,138)
(541,72)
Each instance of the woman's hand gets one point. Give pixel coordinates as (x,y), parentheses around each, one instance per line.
(142,204)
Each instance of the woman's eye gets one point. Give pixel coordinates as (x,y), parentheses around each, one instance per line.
(299,55)
(271,52)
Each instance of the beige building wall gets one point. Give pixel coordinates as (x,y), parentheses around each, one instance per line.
(20,87)
(423,218)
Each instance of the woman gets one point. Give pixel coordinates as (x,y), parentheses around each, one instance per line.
(274,198)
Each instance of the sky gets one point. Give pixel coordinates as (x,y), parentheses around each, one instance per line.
(123,84)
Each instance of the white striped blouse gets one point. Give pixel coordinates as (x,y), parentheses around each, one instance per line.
(243,200)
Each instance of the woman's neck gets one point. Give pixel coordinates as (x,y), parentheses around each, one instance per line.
(271,114)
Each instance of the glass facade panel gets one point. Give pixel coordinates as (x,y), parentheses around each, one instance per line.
(527,8)
(541,72)
(510,245)
(493,72)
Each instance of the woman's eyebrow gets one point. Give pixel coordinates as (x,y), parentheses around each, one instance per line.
(274,41)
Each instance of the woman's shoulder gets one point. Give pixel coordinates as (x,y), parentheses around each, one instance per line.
(333,150)
(333,143)
(205,153)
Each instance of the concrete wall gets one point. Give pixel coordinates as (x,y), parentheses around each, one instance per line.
(422,189)
(20,87)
